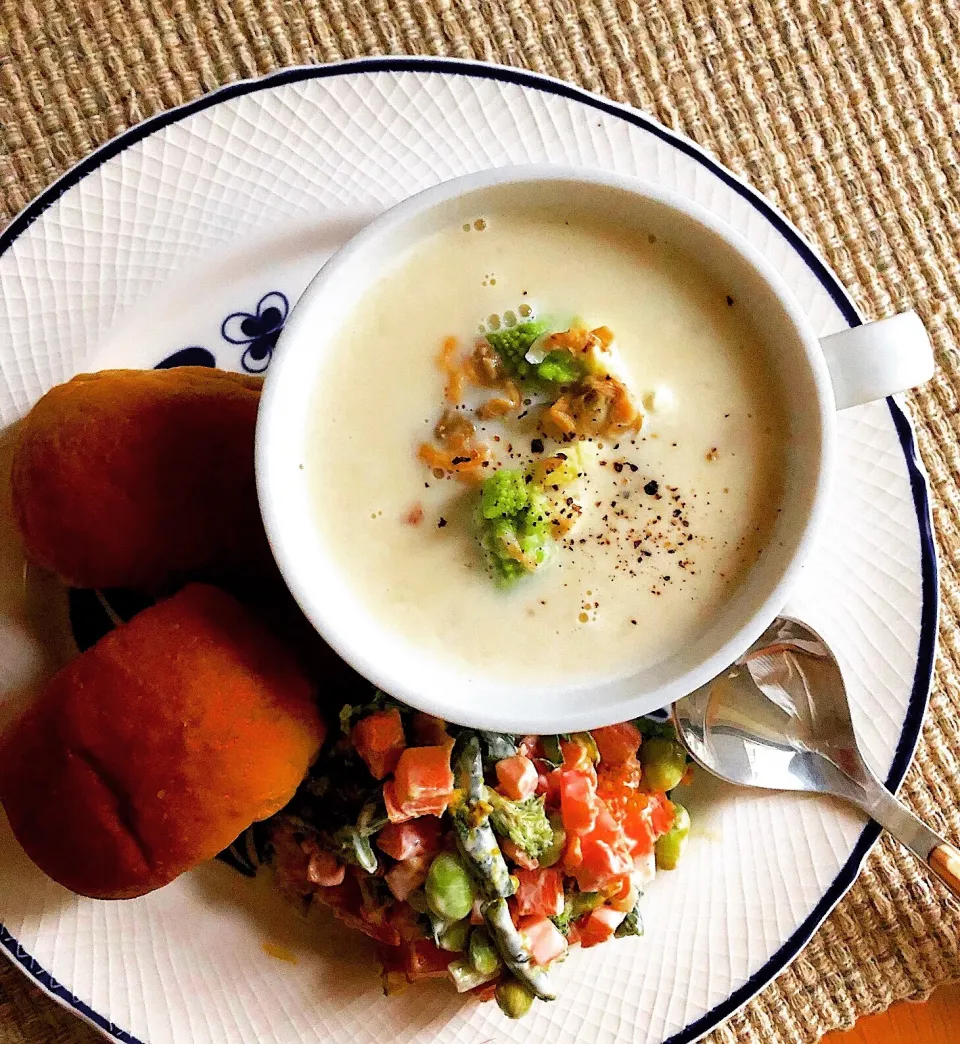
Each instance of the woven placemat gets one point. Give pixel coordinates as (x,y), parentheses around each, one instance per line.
(843,112)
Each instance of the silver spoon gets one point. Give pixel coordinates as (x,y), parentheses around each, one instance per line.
(779,719)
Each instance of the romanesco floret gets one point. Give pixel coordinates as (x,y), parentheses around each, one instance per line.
(525,823)
(560,368)
(512,344)
(514,526)
(504,494)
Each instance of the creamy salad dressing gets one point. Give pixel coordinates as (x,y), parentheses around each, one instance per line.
(673,516)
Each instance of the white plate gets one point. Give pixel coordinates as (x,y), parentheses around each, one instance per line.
(183,233)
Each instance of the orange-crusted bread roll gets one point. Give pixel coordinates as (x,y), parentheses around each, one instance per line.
(142,478)
(152,751)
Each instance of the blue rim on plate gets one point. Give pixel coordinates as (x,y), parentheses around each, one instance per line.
(918,484)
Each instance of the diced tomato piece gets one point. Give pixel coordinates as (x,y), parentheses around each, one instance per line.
(517,777)
(539,893)
(578,801)
(573,934)
(599,926)
(485,991)
(396,813)
(426,961)
(616,743)
(544,940)
(552,788)
(380,741)
(417,838)
(406,921)
(325,870)
(429,731)
(405,877)
(344,896)
(476,917)
(382,932)
(662,813)
(424,779)
(530,747)
(517,854)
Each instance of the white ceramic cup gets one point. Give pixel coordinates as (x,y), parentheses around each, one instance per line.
(818,377)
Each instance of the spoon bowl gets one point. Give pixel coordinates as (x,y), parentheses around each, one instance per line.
(779,719)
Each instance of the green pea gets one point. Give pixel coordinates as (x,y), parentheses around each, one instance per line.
(448,888)
(454,936)
(664,763)
(513,998)
(483,954)
(669,847)
(554,851)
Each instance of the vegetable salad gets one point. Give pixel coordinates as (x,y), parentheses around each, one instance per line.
(481,857)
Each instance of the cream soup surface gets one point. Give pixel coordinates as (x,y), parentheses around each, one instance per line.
(673,516)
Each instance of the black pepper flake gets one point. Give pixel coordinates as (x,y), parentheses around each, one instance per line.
(441,523)
(652,488)
(617,466)
(729,300)
(536,446)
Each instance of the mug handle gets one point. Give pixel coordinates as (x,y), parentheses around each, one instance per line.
(875,360)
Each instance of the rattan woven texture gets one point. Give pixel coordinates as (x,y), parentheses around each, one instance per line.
(843,112)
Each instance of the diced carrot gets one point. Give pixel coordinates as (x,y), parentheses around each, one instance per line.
(625,898)
(572,854)
(539,892)
(325,870)
(599,926)
(426,961)
(602,863)
(517,854)
(380,741)
(578,802)
(404,878)
(576,758)
(395,811)
(616,743)
(662,813)
(423,775)
(517,777)
(419,837)
(544,940)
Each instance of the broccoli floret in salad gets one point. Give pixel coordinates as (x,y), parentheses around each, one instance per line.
(514,525)
(512,344)
(525,823)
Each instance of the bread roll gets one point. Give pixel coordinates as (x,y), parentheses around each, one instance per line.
(142,478)
(154,749)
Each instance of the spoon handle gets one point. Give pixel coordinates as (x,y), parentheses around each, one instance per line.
(944,861)
(911,831)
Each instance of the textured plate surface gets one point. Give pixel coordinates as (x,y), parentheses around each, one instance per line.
(193,234)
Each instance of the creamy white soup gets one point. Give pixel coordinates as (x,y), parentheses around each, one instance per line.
(672,515)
